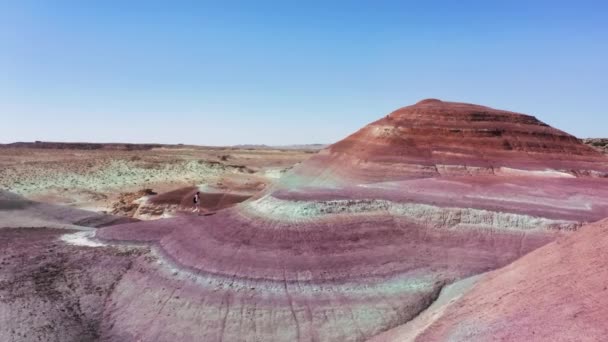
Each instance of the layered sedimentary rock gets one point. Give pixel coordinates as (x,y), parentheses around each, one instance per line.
(435,138)
(362,237)
(600,144)
(556,293)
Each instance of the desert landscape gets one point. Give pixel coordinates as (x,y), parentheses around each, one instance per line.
(441,221)
(109,177)
(303,171)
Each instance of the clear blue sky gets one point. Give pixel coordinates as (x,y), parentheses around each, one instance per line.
(287,72)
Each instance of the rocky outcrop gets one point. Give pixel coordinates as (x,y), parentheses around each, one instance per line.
(598,144)
(127,203)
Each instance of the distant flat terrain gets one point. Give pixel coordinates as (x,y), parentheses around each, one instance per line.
(99,176)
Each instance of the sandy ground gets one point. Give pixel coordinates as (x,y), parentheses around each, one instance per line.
(99,179)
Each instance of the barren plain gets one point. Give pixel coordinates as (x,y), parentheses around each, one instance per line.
(109,177)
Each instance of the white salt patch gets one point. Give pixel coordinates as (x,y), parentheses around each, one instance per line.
(274,173)
(538,173)
(141,200)
(167,214)
(383,131)
(95,208)
(452,154)
(81,239)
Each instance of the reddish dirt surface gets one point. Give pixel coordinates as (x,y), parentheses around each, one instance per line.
(556,293)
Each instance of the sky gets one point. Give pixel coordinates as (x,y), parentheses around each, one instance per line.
(290,72)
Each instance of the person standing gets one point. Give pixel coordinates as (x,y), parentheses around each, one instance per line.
(197,202)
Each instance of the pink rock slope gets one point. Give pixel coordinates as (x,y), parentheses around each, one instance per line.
(556,293)
(362,237)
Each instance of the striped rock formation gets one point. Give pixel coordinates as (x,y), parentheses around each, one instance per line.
(555,293)
(434,138)
(362,237)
